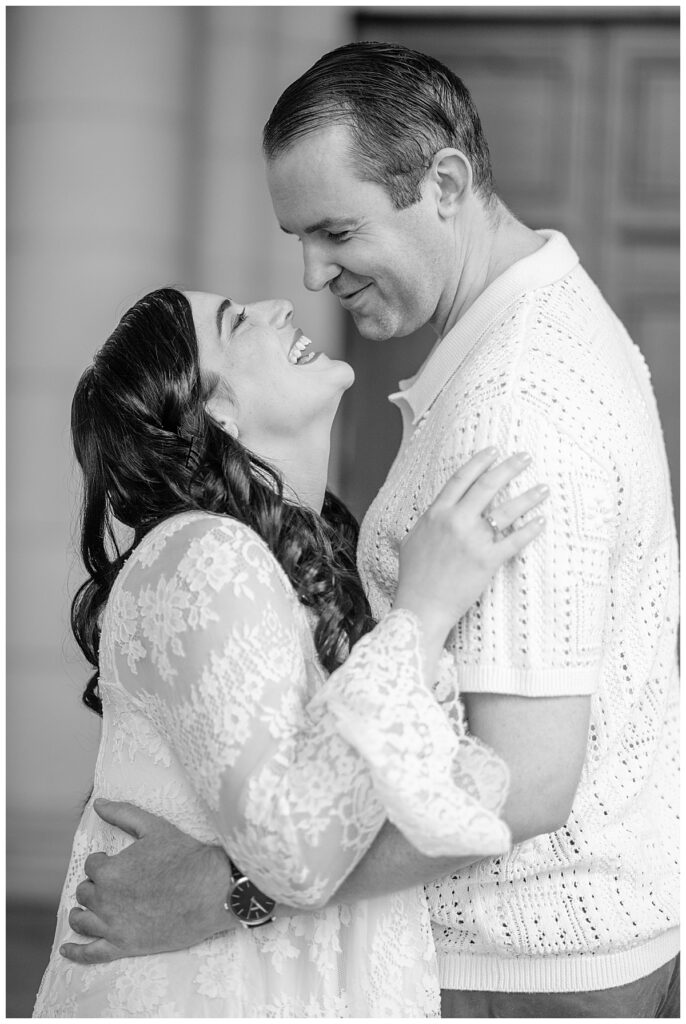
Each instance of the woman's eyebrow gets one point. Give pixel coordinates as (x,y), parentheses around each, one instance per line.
(220,313)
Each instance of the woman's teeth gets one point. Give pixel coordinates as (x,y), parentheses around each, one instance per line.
(296,353)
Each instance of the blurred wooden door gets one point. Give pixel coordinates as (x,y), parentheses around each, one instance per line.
(582,120)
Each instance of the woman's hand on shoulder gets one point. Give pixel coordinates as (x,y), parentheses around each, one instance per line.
(461,540)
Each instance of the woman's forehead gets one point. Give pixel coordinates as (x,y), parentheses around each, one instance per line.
(205,306)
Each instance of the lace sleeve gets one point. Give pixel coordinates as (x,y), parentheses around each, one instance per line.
(221,669)
(442,790)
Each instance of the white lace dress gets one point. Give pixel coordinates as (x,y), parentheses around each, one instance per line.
(218,716)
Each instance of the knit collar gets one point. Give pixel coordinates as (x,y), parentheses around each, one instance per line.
(548,264)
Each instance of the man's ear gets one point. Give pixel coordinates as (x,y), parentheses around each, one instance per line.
(452,172)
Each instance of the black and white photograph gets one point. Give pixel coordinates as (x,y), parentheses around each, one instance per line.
(342,503)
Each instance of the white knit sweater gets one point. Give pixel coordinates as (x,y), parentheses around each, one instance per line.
(541,364)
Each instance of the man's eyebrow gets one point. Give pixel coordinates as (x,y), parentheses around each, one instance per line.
(220,313)
(326,224)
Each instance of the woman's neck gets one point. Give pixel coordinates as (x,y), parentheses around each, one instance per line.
(303,464)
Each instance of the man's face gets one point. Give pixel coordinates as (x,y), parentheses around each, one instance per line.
(386,266)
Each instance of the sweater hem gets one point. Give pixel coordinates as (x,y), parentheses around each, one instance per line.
(584,972)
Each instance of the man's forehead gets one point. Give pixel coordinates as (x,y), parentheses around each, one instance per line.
(316,147)
(315,180)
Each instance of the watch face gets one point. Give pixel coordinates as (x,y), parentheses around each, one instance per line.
(249,904)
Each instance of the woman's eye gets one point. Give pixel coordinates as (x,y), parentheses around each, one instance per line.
(240,318)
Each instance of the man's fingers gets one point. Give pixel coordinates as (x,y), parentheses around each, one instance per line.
(85,892)
(100,951)
(92,863)
(85,922)
(127,817)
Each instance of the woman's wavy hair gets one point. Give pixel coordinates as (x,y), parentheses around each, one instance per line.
(148,449)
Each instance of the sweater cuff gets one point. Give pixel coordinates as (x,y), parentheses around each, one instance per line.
(527,682)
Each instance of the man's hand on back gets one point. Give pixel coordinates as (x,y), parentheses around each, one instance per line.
(163,892)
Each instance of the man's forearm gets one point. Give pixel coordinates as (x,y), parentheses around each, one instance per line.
(392,864)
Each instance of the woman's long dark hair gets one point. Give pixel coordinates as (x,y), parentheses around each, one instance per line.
(148,450)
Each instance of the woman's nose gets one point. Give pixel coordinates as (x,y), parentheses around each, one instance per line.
(276,312)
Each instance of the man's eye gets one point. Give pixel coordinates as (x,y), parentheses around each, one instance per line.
(340,236)
(240,318)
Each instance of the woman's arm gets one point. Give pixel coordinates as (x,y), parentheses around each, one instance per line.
(297,787)
(377,718)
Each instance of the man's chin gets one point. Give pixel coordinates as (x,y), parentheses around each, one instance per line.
(372,329)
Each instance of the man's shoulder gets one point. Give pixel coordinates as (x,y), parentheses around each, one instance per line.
(575,300)
(549,369)
(563,335)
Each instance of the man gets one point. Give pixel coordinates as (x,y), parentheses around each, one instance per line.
(377,163)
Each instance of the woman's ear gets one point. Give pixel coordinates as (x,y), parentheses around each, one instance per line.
(229,426)
(452,172)
(223,414)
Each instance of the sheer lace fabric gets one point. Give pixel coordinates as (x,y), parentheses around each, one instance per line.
(218,716)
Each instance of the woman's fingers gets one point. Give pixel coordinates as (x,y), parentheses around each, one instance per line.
(460,482)
(486,486)
(513,543)
(505,514)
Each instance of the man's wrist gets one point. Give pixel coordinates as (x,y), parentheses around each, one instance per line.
(217,885)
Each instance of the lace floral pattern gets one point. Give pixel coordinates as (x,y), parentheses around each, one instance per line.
(218,716)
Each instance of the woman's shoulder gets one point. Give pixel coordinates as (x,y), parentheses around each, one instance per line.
(216,547)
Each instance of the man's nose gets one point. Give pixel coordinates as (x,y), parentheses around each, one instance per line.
(319,268)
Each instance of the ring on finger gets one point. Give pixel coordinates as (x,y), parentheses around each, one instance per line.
(497,532)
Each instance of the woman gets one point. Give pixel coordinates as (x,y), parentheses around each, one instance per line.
(246,694)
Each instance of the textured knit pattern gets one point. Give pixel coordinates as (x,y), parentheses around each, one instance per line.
(541,364)
(219,717)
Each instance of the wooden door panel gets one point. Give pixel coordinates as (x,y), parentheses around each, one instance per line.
(640,236)
(645,288)
(528,84)
(643,172)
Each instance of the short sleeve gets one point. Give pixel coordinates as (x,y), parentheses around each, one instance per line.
(538,629)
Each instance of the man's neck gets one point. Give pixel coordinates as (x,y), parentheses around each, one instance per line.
(492,242)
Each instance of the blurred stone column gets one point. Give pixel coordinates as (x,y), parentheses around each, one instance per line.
(99,104)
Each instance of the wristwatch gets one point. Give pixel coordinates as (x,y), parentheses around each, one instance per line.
(246,902)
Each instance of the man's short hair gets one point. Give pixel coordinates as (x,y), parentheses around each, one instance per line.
(401,107)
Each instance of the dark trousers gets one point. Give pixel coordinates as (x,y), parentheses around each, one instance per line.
(656,995)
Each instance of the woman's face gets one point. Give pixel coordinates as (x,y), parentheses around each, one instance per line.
(281,386)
